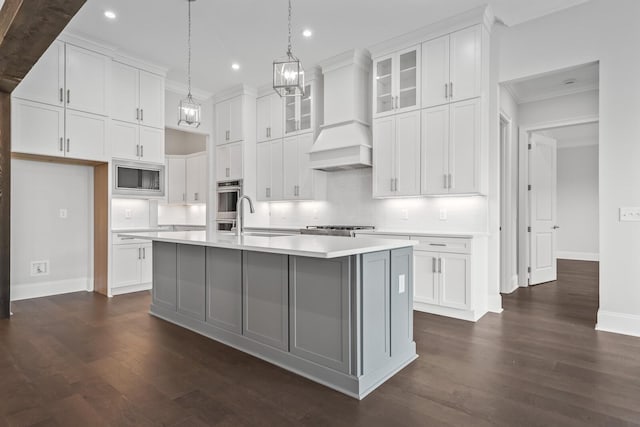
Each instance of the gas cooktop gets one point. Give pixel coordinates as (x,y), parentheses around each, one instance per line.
(334,230)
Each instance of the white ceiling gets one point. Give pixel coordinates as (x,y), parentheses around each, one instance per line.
(253,32)
(549,85)
(575,136)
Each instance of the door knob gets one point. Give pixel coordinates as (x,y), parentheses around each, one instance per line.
(555,227)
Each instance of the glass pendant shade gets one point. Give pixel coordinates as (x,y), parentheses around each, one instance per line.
(288,76)
(189,112)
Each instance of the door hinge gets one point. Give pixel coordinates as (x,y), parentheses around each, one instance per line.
(529,187)
(529,146)
(528,229)
(528,269)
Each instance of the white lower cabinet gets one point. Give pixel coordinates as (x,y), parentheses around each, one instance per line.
(443,279)
(132,267)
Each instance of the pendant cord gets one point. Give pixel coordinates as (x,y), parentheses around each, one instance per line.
(189,50)
(289,48)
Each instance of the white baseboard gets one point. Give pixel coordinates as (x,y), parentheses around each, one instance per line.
(469,315)
(511,286)
(494,303)
(20,291)
(130,289)
(619,323)
(579,256)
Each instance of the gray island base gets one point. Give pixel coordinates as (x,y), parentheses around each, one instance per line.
(345,322)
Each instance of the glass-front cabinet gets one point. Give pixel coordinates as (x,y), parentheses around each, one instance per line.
(297,112)
(396,83)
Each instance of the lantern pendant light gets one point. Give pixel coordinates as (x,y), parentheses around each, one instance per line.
(288,74)
(189,111)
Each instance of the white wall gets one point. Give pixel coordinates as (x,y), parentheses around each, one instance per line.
(568,107)
(180,143)
(39,191)
(182,215)
(130,213)
(608,32)
(578,201)
(349,202)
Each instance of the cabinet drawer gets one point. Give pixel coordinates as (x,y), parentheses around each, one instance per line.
(443,244)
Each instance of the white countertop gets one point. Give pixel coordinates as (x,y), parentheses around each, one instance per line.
(426,233)
(301,245)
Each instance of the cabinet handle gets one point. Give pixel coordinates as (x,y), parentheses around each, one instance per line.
(227,172)
(61,144)
(141,150)
(433,265)
(439,265)
(438,244)
(267,192)
(142,115)
(137,113)
(195,196)
(138,150)
(391,185)
(184,197)
(68,144)
(446,91)
(144,253)
(395,184)
(451,90)
(450,181)
(61,95)
(139,253)
(446,183)
(68,96)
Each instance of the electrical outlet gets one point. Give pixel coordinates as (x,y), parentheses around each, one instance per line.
(443,214)
(404,214)
(63,213)
(630,214)
(128,213)
(39,268)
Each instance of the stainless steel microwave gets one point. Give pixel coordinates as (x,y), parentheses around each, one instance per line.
(141,180)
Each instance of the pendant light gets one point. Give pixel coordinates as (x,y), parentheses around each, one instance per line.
(288,74)
(189,110)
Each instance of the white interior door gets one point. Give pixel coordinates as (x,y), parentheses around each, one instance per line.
(543,208)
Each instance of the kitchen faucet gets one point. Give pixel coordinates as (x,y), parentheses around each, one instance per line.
(240,214)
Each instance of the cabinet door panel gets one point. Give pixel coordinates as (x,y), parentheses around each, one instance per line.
(408,154)
(425,278)
(203,178)
(222,122)
(305,110)
(408,79)
(305,173)
(291,107)
(191,281)
(86,78)
(235,119)
(435,150)
(165,275)
(466,72)
(224,288)
(126,265)
(320,311)
(194,192)
(124,93)
(235,160)
(46,138)
(266,298)
(86,136)
(176,180)
(464,147)
(401,302)
(383,86)
(277,177)
(290,167)
(435,72)
(455,291)
(45,80)
(263,118)
(223,171)
(263,171)
(124,140)
(376,293)
(151,100)
(384,137)
(276,116)
(146,264)
(151,144)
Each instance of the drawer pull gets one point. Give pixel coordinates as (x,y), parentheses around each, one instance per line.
(438,244)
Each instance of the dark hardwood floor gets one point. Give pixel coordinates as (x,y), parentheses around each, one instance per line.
(83,360)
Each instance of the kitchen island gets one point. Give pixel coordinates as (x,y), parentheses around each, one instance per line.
(336,310)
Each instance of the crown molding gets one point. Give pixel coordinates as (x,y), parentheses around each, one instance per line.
(232,92)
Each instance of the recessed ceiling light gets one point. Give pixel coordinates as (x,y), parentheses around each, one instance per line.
(307,33)
(235,66)
(110,14)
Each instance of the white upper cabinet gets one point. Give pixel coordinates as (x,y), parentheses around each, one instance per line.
(396,155)
(45,82)
(451,67)
(269,119)
(137,96)
(300,182)
(451,138)
(396,82)
(298,112)
(196,177)
(86,80)
(85,136)
(133,142)
(229,121)
(229,162)
(47,138)
(269,174)
(151,144)
(176,179)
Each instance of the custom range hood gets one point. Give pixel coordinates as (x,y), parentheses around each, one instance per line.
(344,141)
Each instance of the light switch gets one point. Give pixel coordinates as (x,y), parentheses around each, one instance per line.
(401,284)
(128,213)
(630,214)
(443,214)
(404,214)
